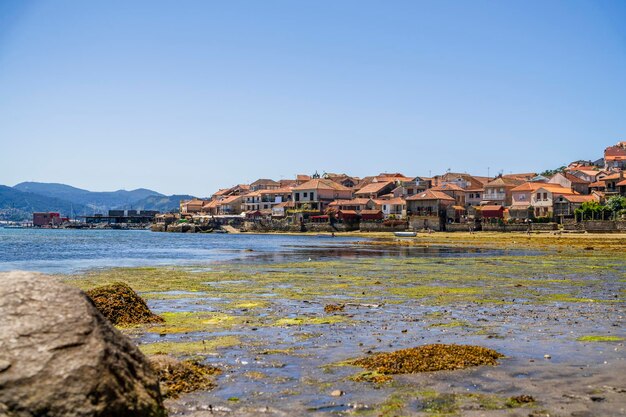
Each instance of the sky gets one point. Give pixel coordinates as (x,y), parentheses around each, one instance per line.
(192,96)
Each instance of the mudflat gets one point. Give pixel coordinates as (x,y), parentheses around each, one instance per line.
(552,305)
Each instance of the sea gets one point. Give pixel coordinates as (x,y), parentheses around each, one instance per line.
(70,251)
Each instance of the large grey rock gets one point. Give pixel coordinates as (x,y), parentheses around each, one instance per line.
(60,357)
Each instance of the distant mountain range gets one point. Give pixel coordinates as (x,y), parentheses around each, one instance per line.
(20,201)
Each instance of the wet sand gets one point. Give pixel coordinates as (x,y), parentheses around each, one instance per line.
(547,307)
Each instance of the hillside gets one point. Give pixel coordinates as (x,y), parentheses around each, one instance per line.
(161,203)
(100,201)
(17,205)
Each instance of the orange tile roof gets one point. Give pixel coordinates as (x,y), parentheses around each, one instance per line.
(430,195)
(354,201)
(448,187)
(374,187)
(579,198)
(504,182)
(397,201)
(599,184)
(371,211)
(320,183)
(611,177)
(283,190)
(621,183)
(528,186)
(490,207)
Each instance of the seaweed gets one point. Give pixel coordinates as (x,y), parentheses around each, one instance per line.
(121,305)
(427,358)
(177,377)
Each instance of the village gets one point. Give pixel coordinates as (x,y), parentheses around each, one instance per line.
(585,195)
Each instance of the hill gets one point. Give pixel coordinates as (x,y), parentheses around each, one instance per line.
(99,201)
(18,205)
(161,203)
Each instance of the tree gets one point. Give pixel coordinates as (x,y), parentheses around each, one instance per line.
(616,203)
(592,210)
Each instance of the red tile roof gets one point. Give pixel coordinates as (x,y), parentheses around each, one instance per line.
(579,198)
(430,195)
(321,184)
(373,188)
(448,187)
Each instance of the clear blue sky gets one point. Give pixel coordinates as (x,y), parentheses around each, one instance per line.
(188,96)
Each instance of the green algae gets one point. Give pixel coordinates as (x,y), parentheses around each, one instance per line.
(198,347)
(186,322)
(598,338)
(306,321)
(453,323)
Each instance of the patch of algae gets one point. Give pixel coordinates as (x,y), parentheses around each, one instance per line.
(451,404)
(305,321)
(185,322)
(597,338)
(427,358)
(198,347)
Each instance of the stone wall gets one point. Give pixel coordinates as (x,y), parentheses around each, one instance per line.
(425,222)
(545,226)
(381,227)
(487,227)
(457,227)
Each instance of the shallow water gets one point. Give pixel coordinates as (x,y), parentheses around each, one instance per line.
(70,251)
(263,297)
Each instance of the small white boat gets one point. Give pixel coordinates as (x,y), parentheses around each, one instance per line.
(405,234)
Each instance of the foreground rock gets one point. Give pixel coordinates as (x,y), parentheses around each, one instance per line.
(60,357)
(121,305)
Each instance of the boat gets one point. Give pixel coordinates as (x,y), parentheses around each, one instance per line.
(405,234)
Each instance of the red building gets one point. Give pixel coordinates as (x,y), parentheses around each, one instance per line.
(47,219)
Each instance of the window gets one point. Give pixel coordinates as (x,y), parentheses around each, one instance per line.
(312,196)
(538,196)
(297,196)
(545,196)
(305,195)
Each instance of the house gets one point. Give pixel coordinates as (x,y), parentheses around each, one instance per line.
(412,187)
(453,190)
(238,189)
(465,181)
(428,203)
(375,189)
(542,199)
(615,156)
(270,197)
(193,206)
(586,174)
(395,207)
(564,206)
(621,188)
(491,211)
(252,201)
(611,181)
(521,195)
(571,181)
(280,210)
(343,179)
(372,215)
(264,184)
(498,191)
(356,204)
(317,193)
(473,196)
(230,205)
